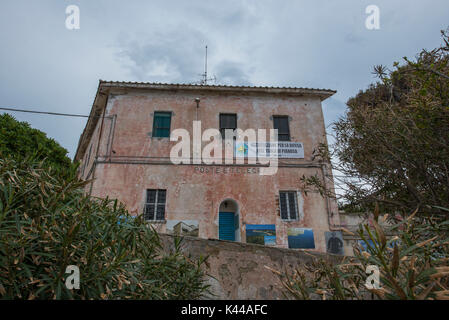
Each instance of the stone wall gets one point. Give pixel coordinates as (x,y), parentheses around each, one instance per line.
(238,270)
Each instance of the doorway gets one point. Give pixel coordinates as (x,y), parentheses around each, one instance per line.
(228,221)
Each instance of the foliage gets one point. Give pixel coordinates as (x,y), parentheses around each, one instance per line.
(47,223)
(413,265)
(19,141)
(392,146)
(392,153)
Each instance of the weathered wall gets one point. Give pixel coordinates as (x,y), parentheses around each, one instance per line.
(195,196)
(238,270)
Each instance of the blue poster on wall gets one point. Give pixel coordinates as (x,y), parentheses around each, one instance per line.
(300,238)
(261,234)
(370,243)
(124,219)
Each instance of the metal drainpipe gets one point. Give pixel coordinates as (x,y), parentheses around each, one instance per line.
(98,146)
(332,227)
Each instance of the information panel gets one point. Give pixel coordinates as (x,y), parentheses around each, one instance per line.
(284,149)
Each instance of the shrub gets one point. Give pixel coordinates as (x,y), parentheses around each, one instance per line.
(47,223)
(391,151)
(19,141)
(413,265)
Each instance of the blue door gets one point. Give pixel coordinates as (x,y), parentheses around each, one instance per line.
(226,226)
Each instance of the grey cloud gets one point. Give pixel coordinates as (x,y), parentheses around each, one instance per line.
(232,73)
(169,56)
(262,42)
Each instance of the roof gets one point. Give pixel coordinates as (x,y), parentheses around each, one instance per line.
(323,93)
(106,87)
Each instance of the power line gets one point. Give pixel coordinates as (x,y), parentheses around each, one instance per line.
(49,113)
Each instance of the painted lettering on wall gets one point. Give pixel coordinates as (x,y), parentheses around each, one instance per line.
(226,170)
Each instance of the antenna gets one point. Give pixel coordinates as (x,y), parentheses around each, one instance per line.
(205,68)
(204,75)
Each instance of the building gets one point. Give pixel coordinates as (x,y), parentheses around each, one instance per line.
(182,228)
(125,150)
(351,221)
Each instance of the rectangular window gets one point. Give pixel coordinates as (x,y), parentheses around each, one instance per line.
(161,124)
(155,205)
(288,202)
(281,123)
(227,121)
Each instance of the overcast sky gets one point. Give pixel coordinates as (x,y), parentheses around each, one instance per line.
(320,44)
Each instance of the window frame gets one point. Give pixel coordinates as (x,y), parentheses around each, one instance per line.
(288,133)
(222,130)
(155,114)
(155,204)
(295,197)
(86,160)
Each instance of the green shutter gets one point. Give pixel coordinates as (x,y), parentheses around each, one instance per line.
(161,124)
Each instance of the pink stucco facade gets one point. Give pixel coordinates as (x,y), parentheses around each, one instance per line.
(119,154)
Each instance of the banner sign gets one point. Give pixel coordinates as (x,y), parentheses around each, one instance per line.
(284,149)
